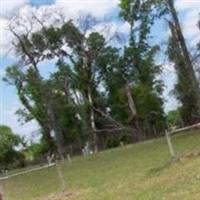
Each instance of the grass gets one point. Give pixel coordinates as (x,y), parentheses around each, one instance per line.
(141,172)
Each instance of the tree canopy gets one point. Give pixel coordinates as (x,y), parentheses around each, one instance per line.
(99,93)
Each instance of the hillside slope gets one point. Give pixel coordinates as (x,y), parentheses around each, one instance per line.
(137,172)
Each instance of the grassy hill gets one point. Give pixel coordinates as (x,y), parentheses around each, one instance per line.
(137,172)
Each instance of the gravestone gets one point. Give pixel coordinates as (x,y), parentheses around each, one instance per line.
(86,150)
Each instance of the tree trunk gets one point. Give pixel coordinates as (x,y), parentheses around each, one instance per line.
(92,121)
(60,142)
(185,52)
(58,133)
(134,116)
(46,135)
(187,93)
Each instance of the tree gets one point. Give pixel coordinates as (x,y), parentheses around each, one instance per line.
(188,91)
(30,90)
(76,80)
(95,88)
(141,70)
(183,90)
(8,153)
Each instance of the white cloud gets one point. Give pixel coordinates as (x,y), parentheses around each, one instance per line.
(7,9)
(111,29)
(71,9)
(169,79)
(9,6)
(97,8)
(190,28)
(5,37)
(184,5)
(190,14)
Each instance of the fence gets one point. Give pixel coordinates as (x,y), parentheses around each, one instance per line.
(168,138)
(26,171)
(188,128)
(59,171)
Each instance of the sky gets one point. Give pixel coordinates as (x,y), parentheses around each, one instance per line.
(107,11)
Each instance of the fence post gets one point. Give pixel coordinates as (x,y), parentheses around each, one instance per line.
(61,176)
(1,189)
(171,149)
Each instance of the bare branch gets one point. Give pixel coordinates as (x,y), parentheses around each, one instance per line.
(108,117)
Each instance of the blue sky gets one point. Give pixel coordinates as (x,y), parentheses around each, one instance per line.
(42,2)
(104,9)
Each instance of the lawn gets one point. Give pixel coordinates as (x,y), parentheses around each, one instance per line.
(136,172)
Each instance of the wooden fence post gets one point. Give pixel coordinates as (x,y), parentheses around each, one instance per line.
(1,189)
(61,176)
(171,149)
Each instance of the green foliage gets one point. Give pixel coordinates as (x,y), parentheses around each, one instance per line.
(139,64)
(91,75)
(36,152)
(174,118)
(183,90)
(9,156)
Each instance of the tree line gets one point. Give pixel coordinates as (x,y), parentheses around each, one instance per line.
(100,93)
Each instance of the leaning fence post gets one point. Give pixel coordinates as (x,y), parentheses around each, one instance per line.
(1,189)
(171,149)
(61,176)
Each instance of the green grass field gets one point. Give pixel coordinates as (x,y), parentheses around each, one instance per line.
(137,172)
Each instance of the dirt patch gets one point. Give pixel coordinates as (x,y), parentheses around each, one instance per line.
(188,156)
(59,196)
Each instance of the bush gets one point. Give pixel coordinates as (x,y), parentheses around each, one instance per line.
(9,156)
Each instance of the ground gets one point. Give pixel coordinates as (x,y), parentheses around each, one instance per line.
(141,171)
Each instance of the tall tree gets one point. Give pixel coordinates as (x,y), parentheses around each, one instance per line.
(140,64)
(186,59)
(76,53)
(185,93)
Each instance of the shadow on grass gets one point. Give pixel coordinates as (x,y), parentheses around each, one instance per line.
(179,158)
(158,170)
